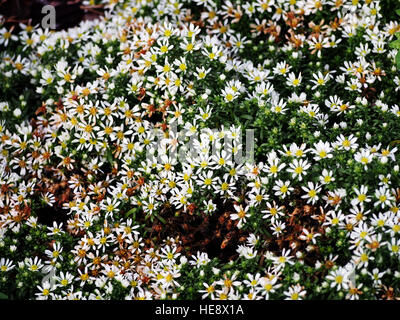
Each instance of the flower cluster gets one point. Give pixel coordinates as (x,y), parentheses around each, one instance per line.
(115,129)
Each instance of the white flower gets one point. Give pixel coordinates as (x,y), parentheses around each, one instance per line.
(311,192)
(293,80)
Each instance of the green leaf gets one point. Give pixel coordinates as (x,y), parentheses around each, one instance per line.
(394,142)
(398,60)
(132,213)
(247,116)
(398,11)
(395,44)
(160,218)
(109,156)
(3,296)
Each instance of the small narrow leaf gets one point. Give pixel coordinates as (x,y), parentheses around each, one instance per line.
(109,156)
(247,116)
(160,218)
(132,213)
(394,142)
